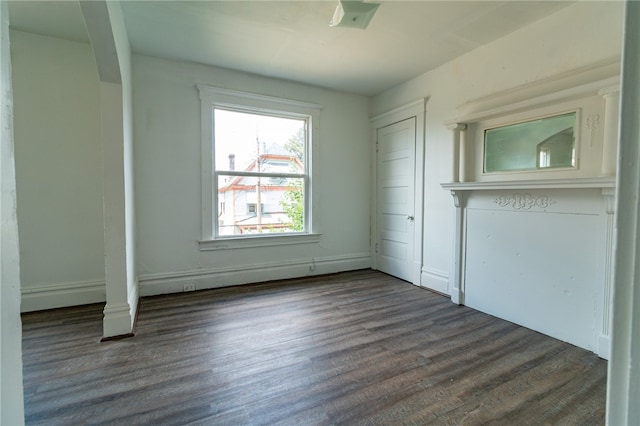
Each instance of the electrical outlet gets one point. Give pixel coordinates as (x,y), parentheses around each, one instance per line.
(189,287)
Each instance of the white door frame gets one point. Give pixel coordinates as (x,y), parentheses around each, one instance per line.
(415,109)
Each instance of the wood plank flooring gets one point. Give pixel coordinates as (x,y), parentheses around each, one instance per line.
(345,349)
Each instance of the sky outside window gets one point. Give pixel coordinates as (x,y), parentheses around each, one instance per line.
(243,134)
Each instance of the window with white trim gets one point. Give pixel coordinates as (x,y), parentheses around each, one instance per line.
(256,166)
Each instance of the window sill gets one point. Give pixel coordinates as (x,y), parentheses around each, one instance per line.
(233,243)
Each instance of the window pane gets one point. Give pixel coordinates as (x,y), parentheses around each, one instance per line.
(241,138)
(261,205)
(537,144)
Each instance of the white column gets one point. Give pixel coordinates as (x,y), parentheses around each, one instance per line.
(604,340)
(623,390)
(457,286)
(463,153)
(110,45)
(118,315)
(610,141)
(457,141)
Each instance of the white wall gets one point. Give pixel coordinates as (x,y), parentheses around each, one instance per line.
(58,171)
(11,392)
(167,179)
(577,36)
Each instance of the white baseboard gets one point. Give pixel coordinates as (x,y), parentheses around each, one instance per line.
(118,320)
(154,284)
(49,296)
(435,280)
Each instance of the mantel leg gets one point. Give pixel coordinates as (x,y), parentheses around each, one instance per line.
(457,284)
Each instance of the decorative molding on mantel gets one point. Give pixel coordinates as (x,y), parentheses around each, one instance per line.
(592,90)
(583,91)
(576,183)
(600,78)
(523,201)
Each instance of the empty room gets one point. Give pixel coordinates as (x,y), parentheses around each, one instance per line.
(319,212)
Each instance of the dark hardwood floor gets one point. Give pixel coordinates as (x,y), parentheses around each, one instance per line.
(344,349)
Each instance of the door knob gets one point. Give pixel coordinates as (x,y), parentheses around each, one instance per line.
(410,218)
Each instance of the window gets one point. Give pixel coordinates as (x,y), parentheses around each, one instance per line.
(260,160)
(257,156)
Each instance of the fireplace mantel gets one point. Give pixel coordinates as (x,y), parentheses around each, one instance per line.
(535,245)
(534,251)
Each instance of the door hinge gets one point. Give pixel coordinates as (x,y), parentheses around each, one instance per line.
(376,247)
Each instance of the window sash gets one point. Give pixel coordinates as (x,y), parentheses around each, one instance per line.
(216,174)
(306,203)
(215,97)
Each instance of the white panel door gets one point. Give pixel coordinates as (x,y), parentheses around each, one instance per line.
(395,198)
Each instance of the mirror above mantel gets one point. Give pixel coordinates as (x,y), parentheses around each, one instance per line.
(569,134)
(539,143)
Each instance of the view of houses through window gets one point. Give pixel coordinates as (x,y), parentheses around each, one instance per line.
(260,172)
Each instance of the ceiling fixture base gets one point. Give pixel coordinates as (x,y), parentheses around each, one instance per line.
(353,14)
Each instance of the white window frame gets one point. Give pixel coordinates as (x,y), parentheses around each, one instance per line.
(215,97)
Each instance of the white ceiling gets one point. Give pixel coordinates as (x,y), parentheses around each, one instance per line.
(292,39)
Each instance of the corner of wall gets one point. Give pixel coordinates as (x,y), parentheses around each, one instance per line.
(11,388)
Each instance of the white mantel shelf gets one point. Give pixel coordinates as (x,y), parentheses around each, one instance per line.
(576,183)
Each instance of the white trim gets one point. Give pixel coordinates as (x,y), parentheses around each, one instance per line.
(50,296)
(173,282)
(268,240)
(604,340)
(121,309)
(457,277)
(118,319)
(435,280)
(623,376)
(229,97)
(575,84)
(392,115)
(260,174)
(530,104)
(206,166)
(604,182)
